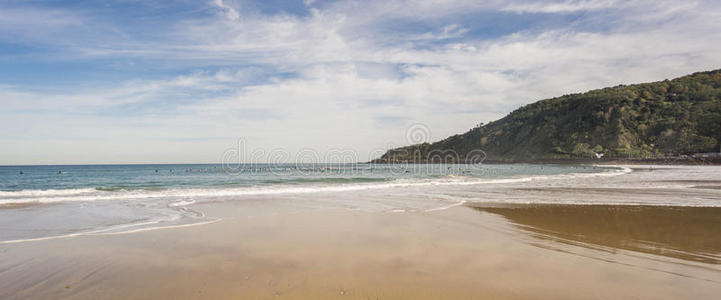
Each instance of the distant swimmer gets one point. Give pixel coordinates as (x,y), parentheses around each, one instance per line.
(60,172)
(156,171)
(21,173)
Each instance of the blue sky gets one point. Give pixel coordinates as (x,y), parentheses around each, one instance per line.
(181,81)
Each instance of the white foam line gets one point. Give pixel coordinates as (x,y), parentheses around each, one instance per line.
(445,207)
(56,237)
(181,203)
(50,192)
(94,232)
(161,227)
(295,190)
(105,231)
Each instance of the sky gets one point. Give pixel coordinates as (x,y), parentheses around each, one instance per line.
(126,81)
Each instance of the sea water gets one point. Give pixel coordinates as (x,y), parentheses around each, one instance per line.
(47,202)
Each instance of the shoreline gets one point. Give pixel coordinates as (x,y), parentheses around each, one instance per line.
(584,161)
(451,242)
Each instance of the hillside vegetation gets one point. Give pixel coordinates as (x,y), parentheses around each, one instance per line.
(665,118)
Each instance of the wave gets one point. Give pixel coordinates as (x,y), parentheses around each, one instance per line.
(330,185)
(176,210)
(50,192)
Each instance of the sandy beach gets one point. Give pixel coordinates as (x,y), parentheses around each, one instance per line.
(529,247)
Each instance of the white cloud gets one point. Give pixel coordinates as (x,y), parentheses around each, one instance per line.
(563,6)
(227,10)
(334,79)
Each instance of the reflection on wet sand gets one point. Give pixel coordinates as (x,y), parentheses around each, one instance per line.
(688,233)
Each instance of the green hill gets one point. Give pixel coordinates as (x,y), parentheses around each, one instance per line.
(665,118)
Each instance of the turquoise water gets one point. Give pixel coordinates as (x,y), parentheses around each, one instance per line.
(130,177)
(41,202)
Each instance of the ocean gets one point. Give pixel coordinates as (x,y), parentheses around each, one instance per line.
(48,202)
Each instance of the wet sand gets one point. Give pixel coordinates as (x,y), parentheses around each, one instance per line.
(459,253)
(270,248)
(687,233)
